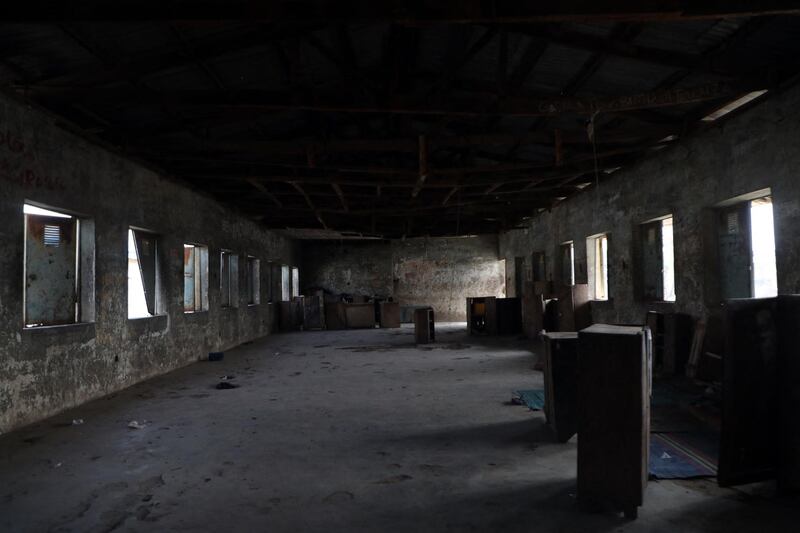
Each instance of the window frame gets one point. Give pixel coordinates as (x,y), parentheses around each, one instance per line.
(253,280)
(644,228)
(83,264)
(228,272)
(561,247)
(158,282)
(597,254)
(200,284)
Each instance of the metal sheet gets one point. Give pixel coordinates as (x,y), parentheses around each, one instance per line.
(50,270)
(733,233)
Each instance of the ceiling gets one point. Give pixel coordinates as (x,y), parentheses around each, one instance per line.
(375,122)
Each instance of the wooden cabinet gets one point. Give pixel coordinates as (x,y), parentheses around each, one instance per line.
(390,314)
(613,415)
(424,331)
(313,312)
(291,314)
(494,316)
(360,315)
(574,312)
(560,383)
(760,432)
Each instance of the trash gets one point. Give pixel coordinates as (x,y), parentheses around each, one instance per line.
(133,424)
(57,465)
(216,356)
(225,385)
(226,378)
(77,421)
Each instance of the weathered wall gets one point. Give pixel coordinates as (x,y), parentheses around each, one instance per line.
(440,272)
(45,370)
(755,150)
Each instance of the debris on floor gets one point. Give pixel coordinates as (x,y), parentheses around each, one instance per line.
(532,398)
(134,424)
(77,421)
(683,455)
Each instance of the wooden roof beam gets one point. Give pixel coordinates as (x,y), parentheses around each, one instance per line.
(423,166)
(262,188)
(338,190)
(309,202)
(422,13)
(520,107)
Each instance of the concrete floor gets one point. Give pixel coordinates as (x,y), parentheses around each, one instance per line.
(335,431)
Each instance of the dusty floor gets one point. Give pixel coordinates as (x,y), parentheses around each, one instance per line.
(335,431)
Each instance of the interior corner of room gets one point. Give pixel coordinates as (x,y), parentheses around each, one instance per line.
(400,267)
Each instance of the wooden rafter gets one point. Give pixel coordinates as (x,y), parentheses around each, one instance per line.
(262,188)
(311,206)
(520,107)
(338,190)
(442,11)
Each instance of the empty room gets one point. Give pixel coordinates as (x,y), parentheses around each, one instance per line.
(446,266)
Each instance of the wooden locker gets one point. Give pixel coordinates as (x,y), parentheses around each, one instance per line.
(561,383)
(613,415)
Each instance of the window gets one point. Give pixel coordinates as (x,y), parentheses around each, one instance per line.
(295,282)
(271,277)
(58,268)
(658,260)
(597,255)
(229,279)
(762,238)
(143,282)
(195,278)
(568,263)
(285,284)
(253,273)
(746,247)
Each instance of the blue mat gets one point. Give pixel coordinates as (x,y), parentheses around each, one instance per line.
(681,456)
(533,398)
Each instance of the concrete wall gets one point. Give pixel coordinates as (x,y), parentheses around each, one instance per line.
(757,149)
(46,370)
(440,272)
